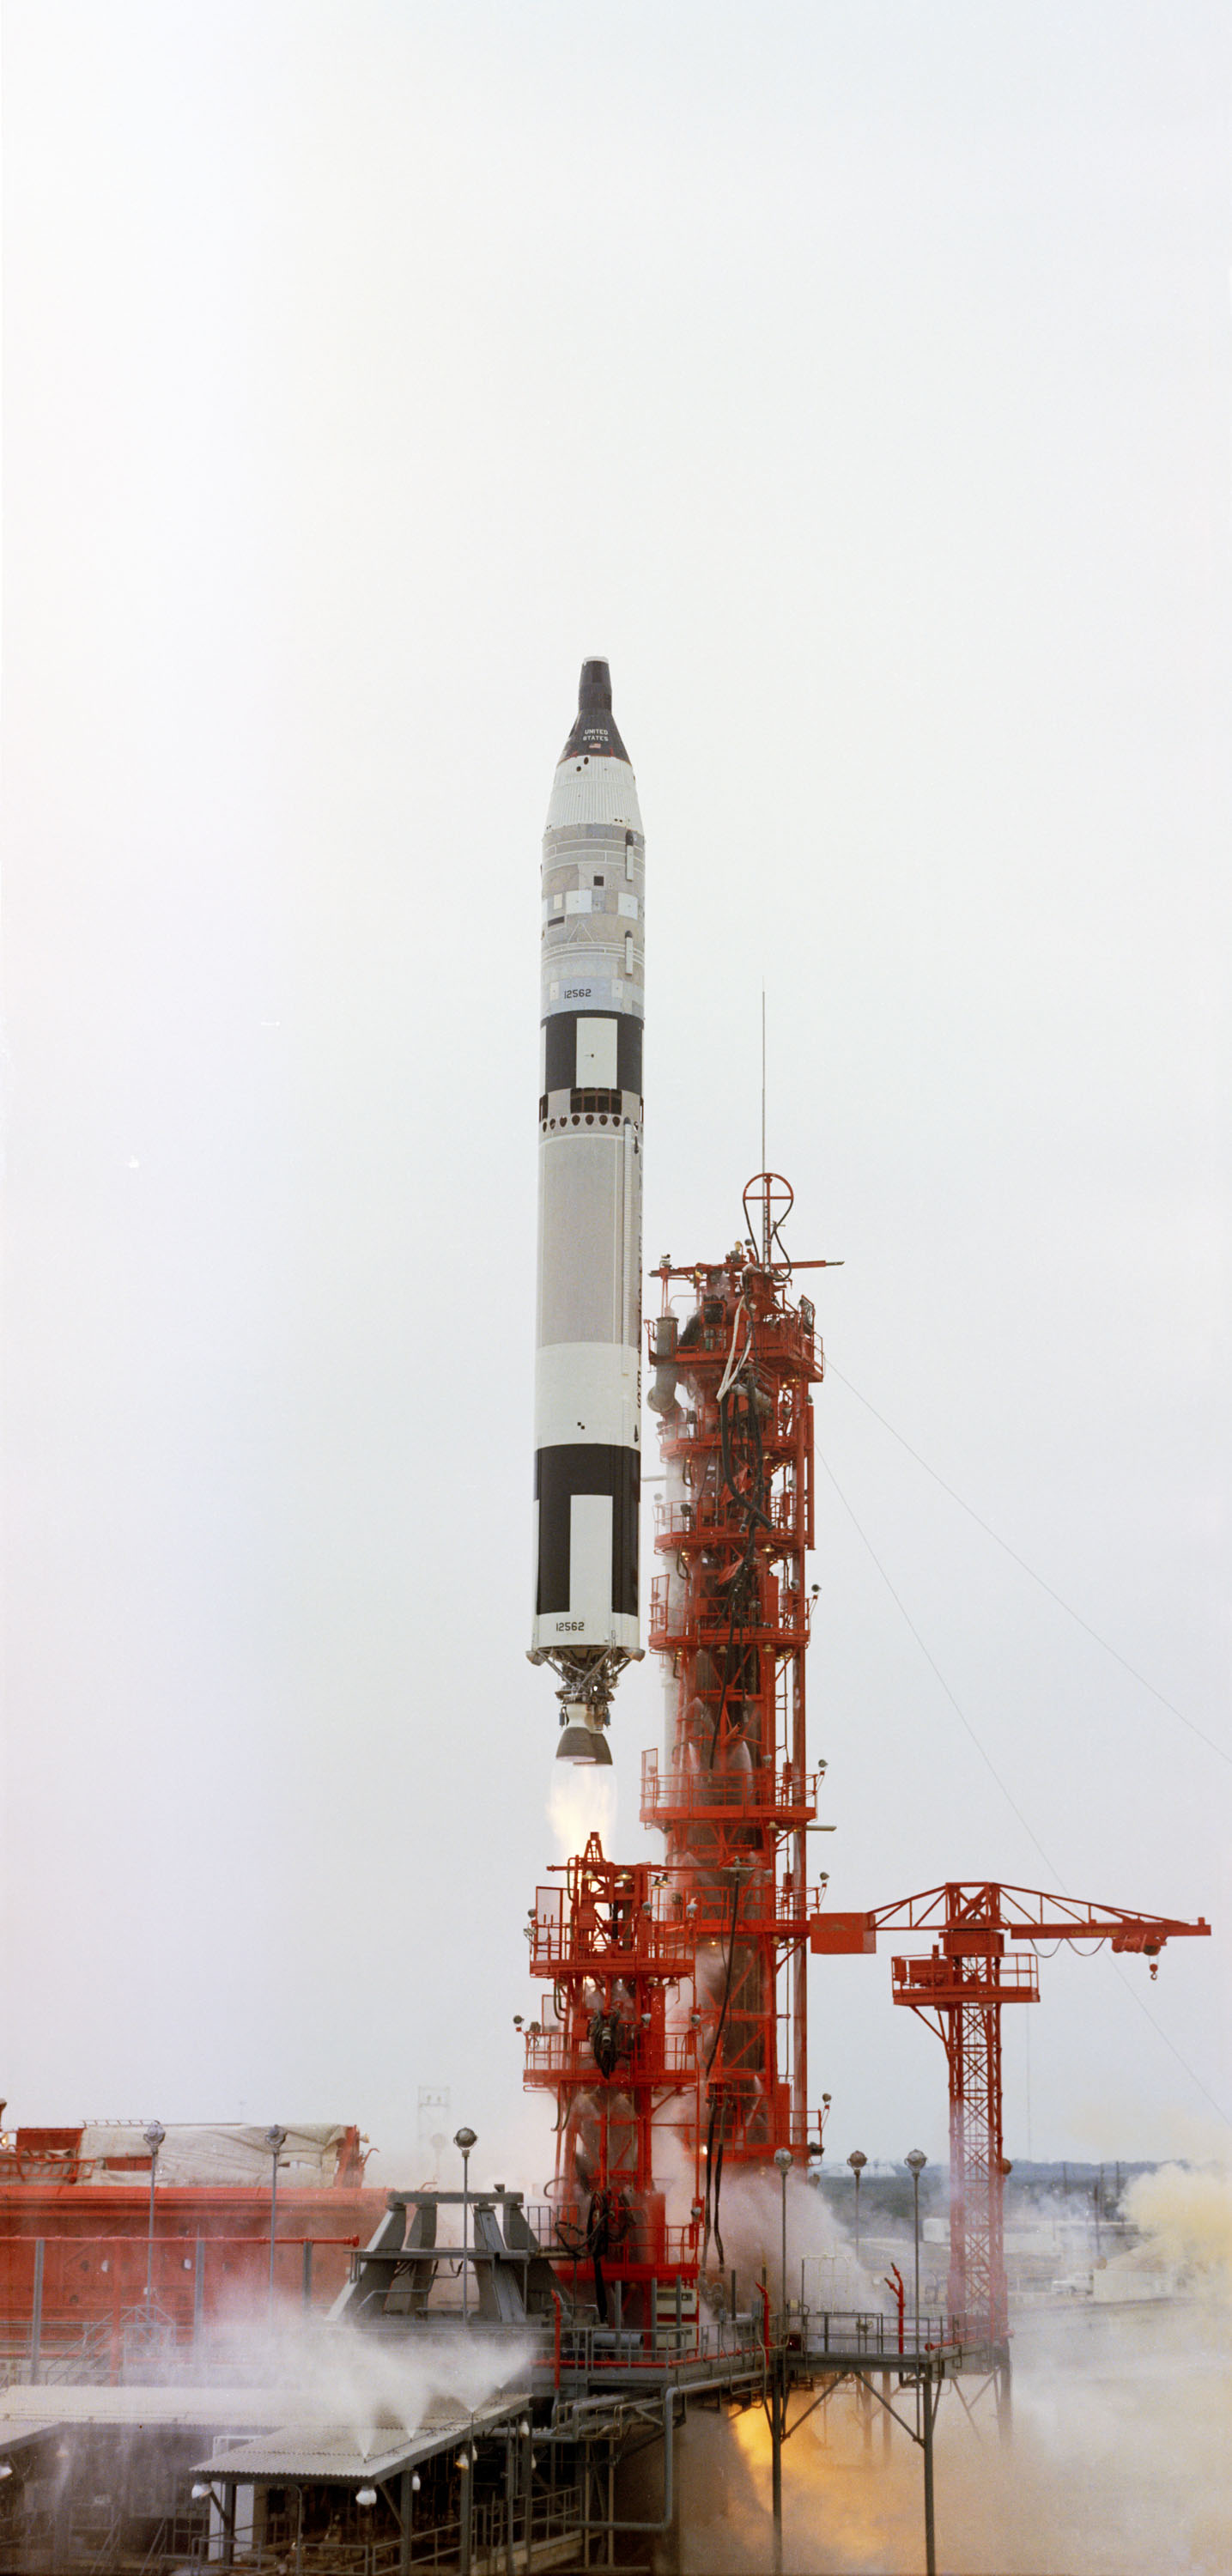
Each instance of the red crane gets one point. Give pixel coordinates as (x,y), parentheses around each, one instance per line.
(958,1989)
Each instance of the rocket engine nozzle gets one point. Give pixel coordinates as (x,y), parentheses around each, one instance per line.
(582,1738)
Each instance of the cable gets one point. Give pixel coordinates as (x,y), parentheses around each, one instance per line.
(714,2166)
(1010,1800)
(731,1953)
(731,1631)
(750,1505)
(1194,2078)
(1169,2044)
(714,2110)
(1053,1595)
(730,1369)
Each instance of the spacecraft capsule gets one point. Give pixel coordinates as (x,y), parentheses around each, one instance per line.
(589,1310)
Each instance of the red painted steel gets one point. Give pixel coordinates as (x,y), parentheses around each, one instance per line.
(623,2063)
(679,1999)
(95,2233)
(960,1991)
(94,2283)
(730,1616)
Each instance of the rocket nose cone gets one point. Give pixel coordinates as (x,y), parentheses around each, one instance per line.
(594,735)
(595,689)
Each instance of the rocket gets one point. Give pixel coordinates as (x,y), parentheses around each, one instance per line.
(589,1298)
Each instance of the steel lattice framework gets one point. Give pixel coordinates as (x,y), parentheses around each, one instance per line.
(730,1616)
(624,2068)
(960,1990)
(679,1996)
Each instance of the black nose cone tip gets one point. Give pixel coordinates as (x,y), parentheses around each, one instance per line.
(594,735)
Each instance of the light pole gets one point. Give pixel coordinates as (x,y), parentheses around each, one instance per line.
(783,2164)
(154,2137)
(916,2162)
(464,2140)
(857,2163)
(275,2140)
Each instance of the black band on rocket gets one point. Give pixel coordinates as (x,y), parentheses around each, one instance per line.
(560,1473)
(561,1051)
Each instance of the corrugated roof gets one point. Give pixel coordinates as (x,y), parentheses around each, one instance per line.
(301,2454)
(17,2437)
(186,2404)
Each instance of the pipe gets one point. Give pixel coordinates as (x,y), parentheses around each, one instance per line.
(776,2463)
(656,2529)
(930,2511)
(36,2319)
(511,2491)
(407,2507)
(465,2504)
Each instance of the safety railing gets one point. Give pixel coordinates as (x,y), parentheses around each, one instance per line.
(96,2308)
(679,1615)
(871,2333)
(501,2532)
(710,2342)
(713,1517)
(560,2227)
(641,1942)
(966,1980)
(783,1910)
(783,1795)
(555,2055)
(283,2545)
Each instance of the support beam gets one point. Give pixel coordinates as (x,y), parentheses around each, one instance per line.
(36,2314)
(930,2508)
(777,2399)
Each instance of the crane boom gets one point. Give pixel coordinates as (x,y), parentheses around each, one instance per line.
(959,1989)
(980,1908)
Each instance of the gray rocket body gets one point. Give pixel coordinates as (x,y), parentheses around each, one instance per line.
(588,1308)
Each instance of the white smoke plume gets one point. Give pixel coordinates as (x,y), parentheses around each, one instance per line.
(582,1800)
(1119,2462)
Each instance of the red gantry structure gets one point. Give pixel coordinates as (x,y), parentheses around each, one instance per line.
(624,2066)
(730,1615)
(679,1995)
(959,1989)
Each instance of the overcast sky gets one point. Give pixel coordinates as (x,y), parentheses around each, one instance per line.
(855,377)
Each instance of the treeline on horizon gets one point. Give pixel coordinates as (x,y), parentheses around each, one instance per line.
(889,2194)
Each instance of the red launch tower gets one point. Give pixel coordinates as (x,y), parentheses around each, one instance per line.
(622,2058)
(679,1995)
(730,1615)
(679,2000)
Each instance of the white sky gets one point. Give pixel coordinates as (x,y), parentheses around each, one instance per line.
(855,377)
